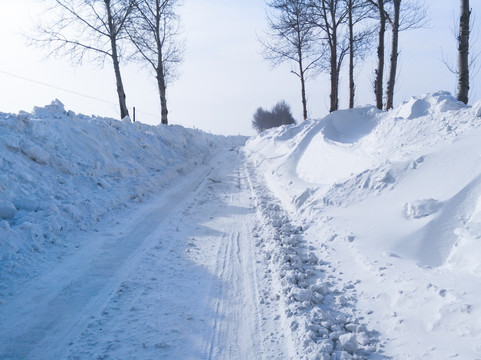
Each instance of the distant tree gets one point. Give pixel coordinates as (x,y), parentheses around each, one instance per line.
(463,52)
(93,27)
(279,115)
(154,31)
(292,38)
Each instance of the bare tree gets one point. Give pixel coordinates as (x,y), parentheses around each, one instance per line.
(463,52)
(400,15)
(329,16)
(394,54)
(154,32)
(359,41)
(405,15)
(378,81)
(292,38)
(88,27)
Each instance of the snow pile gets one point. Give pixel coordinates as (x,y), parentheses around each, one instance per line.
(62,172)
(421,208)
(393,199)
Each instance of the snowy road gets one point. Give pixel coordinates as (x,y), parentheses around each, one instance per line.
(353,237)
(178,278)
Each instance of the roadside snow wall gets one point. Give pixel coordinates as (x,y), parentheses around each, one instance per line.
(62,171)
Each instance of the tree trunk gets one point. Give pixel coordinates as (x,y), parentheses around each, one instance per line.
(380,56)
(160,70)
(351,56)
(124,111)
(394,56)
(303,91)
(163,100)
(334,82)
(301,76)
(304,100)
(334,69)
(463,52)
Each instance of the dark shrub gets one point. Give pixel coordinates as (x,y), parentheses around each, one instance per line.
(279,115)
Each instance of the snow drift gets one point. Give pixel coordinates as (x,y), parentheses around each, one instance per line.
(397,196)
(418,163)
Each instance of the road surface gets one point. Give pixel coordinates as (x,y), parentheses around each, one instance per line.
(179,277)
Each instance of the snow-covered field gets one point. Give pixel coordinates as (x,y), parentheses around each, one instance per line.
(352,237)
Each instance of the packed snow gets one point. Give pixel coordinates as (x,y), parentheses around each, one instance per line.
(356,236)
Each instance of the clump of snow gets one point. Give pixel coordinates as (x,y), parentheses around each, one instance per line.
(35,153)
(62,172)
(421,208)
(348,342)
(7,210)
(425,105)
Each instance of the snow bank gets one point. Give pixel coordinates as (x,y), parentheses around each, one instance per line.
(63,171)
(352,156)
(400,188)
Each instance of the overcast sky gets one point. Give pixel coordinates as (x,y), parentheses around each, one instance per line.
(223,79)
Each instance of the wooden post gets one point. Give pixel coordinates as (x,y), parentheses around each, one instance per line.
(134,114)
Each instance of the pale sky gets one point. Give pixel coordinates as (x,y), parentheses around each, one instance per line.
(223,79)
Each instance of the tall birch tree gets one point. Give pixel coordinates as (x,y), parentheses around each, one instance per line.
(329,16)
(94,28)
(154,32)
(404,15)
(359,39)
(379,79)
(463,52)
(400,15)
(292,38)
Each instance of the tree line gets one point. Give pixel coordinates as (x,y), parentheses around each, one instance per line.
(313,35)
(317,36)
(146,31)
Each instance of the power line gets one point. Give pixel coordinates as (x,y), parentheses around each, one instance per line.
(67,90)
(55,87)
